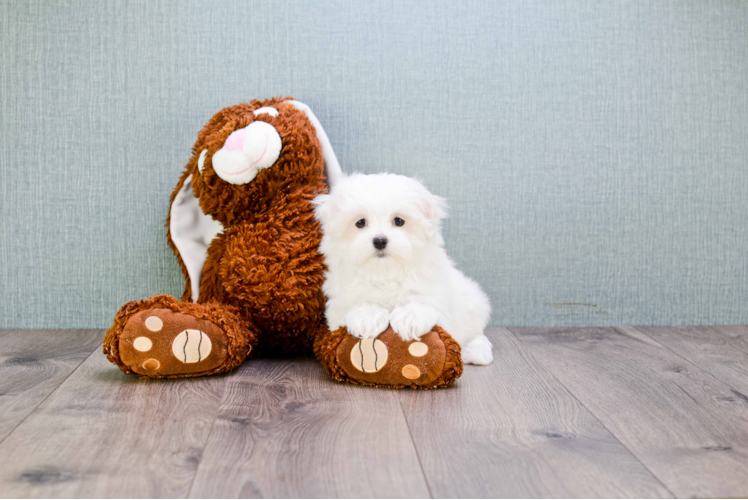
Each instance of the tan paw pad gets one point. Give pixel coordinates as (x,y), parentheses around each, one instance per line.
(154,323)
(411,372)
(142,344)
(151,364)
(418,349)
(191,346)
(369,355)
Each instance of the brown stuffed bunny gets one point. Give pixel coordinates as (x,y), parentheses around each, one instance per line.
(242,226)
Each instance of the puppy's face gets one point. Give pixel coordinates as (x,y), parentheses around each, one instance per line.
(379,220)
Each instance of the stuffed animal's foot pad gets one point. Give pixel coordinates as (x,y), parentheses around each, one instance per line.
(161,343)
(390,361)
(369,355)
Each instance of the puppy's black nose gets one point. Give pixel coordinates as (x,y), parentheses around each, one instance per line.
(380,242)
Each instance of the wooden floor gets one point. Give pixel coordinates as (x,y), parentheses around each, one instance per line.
(582,412)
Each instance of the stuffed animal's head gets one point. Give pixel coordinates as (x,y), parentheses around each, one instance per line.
(249,153)
(245,160)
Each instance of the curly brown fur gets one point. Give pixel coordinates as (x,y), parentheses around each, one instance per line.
(272,268)
(325,346)
(241,339)
(265,263)
(300,165)
(453,364)
(285,188)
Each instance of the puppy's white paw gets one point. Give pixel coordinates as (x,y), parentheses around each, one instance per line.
(367,322)
(413,321)
(478,351)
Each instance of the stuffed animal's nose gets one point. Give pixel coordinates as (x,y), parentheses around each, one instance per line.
(246,152)
(235,142)
(380,242)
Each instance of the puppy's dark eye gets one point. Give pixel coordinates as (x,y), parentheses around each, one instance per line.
(360,223)
(398,221)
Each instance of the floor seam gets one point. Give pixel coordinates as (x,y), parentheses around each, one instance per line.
(719,330)
(51,392)
(210,432)
(688,358)
(571,393)
(415,447)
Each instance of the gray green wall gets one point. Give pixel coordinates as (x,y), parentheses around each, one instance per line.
(595,154)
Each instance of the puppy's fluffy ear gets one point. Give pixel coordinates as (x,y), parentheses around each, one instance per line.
(322,208)
(436,207)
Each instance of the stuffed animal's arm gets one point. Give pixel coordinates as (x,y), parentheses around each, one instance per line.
(273,269)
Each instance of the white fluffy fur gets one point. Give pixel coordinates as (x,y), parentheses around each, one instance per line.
(412,284)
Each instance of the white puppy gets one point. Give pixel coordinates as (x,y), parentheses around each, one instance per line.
(387,265)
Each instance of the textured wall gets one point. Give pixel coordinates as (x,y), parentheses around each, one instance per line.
(595,154)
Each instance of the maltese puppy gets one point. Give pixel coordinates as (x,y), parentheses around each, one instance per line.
(387,265)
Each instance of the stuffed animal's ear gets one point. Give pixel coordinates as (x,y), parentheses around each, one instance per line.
(333,173)
(191,231)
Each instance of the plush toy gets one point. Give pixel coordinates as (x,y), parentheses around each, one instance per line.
(242,226)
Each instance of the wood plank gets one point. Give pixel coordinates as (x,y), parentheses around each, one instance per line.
(686,426)
(721,351)
(286,430)
(512,430)
(105,434)
(33,363)
(738,335)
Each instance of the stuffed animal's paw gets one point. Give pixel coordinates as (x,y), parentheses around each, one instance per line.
(162,337)
(389,361)
(413,321)
(366,322)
